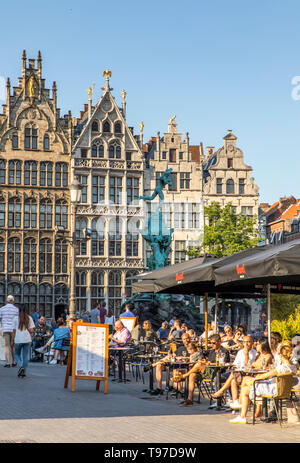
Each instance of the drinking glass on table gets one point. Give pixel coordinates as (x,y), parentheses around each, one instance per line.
(173,347)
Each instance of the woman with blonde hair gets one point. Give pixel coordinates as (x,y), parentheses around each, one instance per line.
(150,334)
(268,384)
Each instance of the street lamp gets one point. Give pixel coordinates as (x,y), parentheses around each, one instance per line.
(75,192)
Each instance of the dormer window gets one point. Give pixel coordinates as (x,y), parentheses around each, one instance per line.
(106,126)
(229,163)
(30,138)
(118,128)
(95,126)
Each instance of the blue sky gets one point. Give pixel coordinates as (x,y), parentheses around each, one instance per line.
(216,64)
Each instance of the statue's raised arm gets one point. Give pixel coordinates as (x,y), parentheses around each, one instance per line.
(164,179)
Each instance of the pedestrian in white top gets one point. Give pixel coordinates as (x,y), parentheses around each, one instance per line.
(7,313)
(23,326)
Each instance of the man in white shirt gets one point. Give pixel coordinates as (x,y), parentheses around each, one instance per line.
(7,314)
(244,358)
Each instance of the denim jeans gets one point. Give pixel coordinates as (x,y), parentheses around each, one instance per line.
(22,348)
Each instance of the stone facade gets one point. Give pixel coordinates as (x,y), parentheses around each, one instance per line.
(226,178)
(34,195)
(108,161)
(183,203)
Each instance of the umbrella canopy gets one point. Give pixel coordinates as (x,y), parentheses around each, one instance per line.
(277,265)
(200,279)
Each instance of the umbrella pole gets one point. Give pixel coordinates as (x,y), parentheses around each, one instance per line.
(269,311)
(206,327)
(216,330)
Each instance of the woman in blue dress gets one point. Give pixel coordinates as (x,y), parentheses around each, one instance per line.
(61,341)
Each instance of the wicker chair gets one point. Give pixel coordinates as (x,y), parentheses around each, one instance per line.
(284,383)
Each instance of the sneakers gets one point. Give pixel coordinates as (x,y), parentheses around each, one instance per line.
(235,405)
(40,350)
(53,362)
(21,371)
(238,420)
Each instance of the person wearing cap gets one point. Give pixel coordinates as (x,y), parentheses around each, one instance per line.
(7,314)
(128,311)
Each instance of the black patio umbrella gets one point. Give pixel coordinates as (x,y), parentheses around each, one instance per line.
(276,268)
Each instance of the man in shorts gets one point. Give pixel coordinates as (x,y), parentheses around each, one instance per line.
(7,314)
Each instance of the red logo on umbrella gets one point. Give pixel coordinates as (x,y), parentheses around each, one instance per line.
(90,373)
(179,276)
(240,269)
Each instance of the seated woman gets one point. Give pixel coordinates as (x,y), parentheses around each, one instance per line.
(265,358)
(61,338)
(235,342)
(228,335)
(268,385)
(150,334)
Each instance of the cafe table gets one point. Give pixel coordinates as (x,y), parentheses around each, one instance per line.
(120,351)
(170,366)
(218,370)
(150,359)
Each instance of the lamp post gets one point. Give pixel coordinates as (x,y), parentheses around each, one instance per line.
(75,192)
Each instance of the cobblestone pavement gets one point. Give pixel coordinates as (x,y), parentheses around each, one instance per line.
(39,409)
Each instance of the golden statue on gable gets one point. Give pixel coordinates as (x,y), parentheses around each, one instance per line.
(90,90)
(172,120)
(31,86)
(107,73)
(141,126)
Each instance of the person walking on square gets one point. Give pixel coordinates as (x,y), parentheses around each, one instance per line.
(23,327)
(36,316)
(7,314)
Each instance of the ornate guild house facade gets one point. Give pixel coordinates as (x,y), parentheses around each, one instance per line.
(108,162)
(34,195)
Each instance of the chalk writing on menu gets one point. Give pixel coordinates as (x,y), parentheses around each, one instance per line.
(90,351)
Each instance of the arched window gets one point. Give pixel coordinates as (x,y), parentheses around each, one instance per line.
(29,256)
(115,237)
(118,128)
(30,213)
(81,287)
(128,282)
(94,151)
(15,141)
(30,296)
(101,151)
(46,300)
(2,294)
(15,289)
(45,256)
(98,227)
(30,173)
(2,212)
(14,213)
(61,213)
(95,126)
(61,256)
(46,174)
(114,151)
(132,239)
(61,294)
(229,186)
(81,225)
(46,142)
(46,213)
(14,172)
(61,174)
(13,256)
(115,291)
(31,137)
(2,255)
(2,172)
(106,126)
(97,287)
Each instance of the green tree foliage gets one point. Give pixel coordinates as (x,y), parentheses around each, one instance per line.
(283,305)
(288,327)
(226,232)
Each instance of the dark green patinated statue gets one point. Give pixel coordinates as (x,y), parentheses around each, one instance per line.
(156,234)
